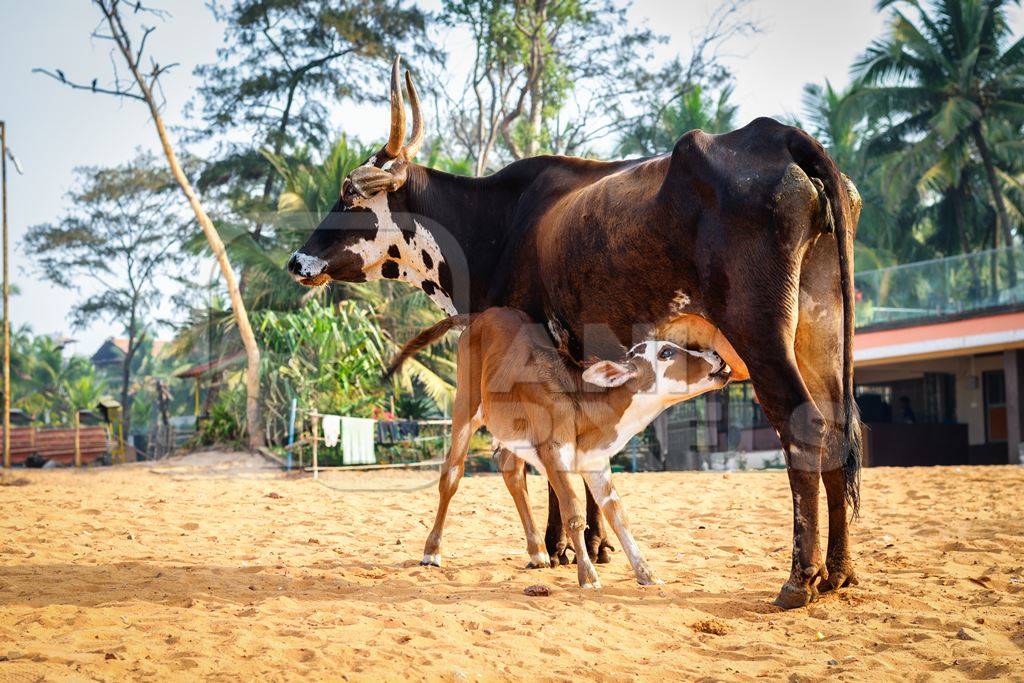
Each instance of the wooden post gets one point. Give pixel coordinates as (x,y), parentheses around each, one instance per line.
(316,438)
(78,441)
(1013,372)
(7,318)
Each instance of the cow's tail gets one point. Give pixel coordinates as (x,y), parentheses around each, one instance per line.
(815,161)
(425,339)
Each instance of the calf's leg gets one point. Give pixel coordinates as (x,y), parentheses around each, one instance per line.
(599,483)
(513,470)
(575,524)
(452,470)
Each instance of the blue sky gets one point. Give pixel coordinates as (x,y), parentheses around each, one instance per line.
(53,129)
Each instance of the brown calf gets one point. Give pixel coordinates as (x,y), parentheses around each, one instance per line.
(559,418)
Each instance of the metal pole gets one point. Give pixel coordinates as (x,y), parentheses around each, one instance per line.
(6,290)
(316,439)
(291,430)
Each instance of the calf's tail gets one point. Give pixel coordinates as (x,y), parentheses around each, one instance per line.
(425,339)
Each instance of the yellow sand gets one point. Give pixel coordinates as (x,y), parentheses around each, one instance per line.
(237,573)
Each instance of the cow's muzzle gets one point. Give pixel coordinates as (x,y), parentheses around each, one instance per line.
(308,270)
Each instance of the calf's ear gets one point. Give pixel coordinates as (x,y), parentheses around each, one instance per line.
(606,373)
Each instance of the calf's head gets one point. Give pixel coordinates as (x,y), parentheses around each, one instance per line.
(663,369)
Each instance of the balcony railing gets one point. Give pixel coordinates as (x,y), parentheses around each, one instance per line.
(941,287)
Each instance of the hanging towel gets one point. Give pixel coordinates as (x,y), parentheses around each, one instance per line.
(357,441)
(332,429)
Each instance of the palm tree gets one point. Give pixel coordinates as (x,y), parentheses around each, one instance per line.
(691,108)
(944,85)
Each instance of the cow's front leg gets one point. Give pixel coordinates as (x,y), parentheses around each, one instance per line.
(598,547)
(555,541)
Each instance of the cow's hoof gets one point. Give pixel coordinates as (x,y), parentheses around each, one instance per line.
(431,561)
(561,557)
(598,548)
(558,549)
(839,577)
(591,585)
(792,596)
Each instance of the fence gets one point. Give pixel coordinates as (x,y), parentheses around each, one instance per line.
(44,444)
(941,287)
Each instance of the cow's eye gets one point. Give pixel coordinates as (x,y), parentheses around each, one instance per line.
(666,353)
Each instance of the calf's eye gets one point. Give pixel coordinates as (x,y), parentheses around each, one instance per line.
(666,353)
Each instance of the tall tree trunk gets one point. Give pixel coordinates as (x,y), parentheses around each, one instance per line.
(961,229)
(126,381)
(1002,217)
(252,351)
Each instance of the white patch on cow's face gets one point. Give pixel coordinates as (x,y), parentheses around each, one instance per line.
(419,259)
(309,266)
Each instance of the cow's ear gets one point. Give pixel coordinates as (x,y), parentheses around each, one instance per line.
(606,373)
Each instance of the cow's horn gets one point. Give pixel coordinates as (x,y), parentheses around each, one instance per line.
(418,129)
(394,146)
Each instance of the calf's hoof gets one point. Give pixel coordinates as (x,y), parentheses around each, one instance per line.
(539,561)
(429,560)
(587,576)
(645,577)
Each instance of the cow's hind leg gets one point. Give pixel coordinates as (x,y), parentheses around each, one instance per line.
(801,428)
(596,536)
(513,470)
(819,353)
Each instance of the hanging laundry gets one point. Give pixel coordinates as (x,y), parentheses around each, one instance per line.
(332,429)
(357,441)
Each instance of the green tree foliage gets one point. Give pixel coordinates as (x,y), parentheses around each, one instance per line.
(946,85)
(49,384)
(558,75)
(692,108)
(121,234)
(283,63)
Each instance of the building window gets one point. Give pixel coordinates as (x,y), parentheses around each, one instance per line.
(994,388)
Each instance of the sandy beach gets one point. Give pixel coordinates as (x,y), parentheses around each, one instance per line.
(202,568)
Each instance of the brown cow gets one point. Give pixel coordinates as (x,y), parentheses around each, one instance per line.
(744,237)
(550,413)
